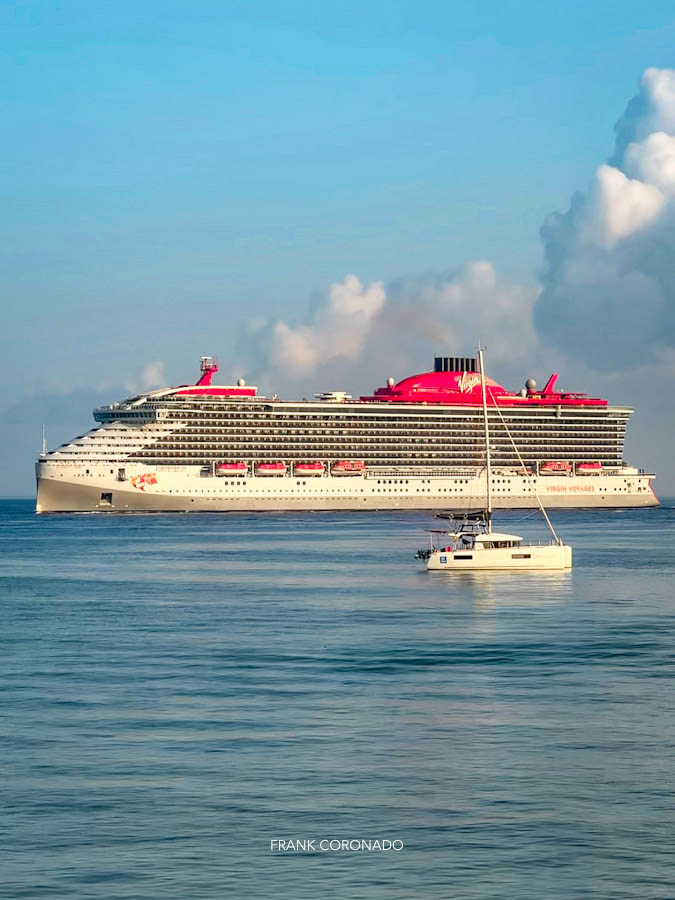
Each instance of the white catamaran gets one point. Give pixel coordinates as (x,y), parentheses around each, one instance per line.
(473,545)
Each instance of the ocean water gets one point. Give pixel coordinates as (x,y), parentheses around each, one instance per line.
(178,691)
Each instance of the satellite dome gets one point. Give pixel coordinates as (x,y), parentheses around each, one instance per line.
(531,384)
(240,382)
(390,381)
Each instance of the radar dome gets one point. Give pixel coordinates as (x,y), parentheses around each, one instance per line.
(390,381)
(240,382)
(531,384)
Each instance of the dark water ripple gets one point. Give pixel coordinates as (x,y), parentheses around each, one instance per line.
(177,691)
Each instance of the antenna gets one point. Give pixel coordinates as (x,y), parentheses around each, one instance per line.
(208,367)
(44,441)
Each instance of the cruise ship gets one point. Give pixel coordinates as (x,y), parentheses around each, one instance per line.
(415,444)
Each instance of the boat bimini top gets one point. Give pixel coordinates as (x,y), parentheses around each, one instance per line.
(497,538)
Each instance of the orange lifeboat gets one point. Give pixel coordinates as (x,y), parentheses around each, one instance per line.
(309,468)
(589,468)
(271,468)
(231,468)
(348,467)
(555,468)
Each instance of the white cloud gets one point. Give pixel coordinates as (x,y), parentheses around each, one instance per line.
(651,110)
(618,206)
(608,292)
(151,376)
(339,329)
(653,161)
(472,304)
(295,349)
(658,89)
(361,334)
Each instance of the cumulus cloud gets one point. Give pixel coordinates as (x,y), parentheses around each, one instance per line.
(618,206)
(152,375)
(608,288)
(473,303)
(358,334)
(652,109)
(606,295)
(653,161)
(337,330)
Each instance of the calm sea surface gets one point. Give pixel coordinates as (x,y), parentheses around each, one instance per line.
(179,690)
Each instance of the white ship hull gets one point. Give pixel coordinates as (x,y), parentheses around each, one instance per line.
(95,487)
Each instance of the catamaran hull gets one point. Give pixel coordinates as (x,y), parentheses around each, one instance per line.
(66,487)
(547,558)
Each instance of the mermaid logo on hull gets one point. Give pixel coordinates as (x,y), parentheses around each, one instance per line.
(140,481)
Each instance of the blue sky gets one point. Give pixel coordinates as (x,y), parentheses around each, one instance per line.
(167,173)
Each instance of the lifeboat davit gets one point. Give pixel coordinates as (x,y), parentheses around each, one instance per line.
(232,468)
(309,468)
(589,468)
(555,468)
(271,468)
(348,467)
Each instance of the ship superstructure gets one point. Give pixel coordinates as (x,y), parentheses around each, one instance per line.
(417,443)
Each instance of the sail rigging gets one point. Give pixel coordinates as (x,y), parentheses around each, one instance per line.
(488,466)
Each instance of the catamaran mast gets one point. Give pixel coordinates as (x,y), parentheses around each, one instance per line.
(488,467)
